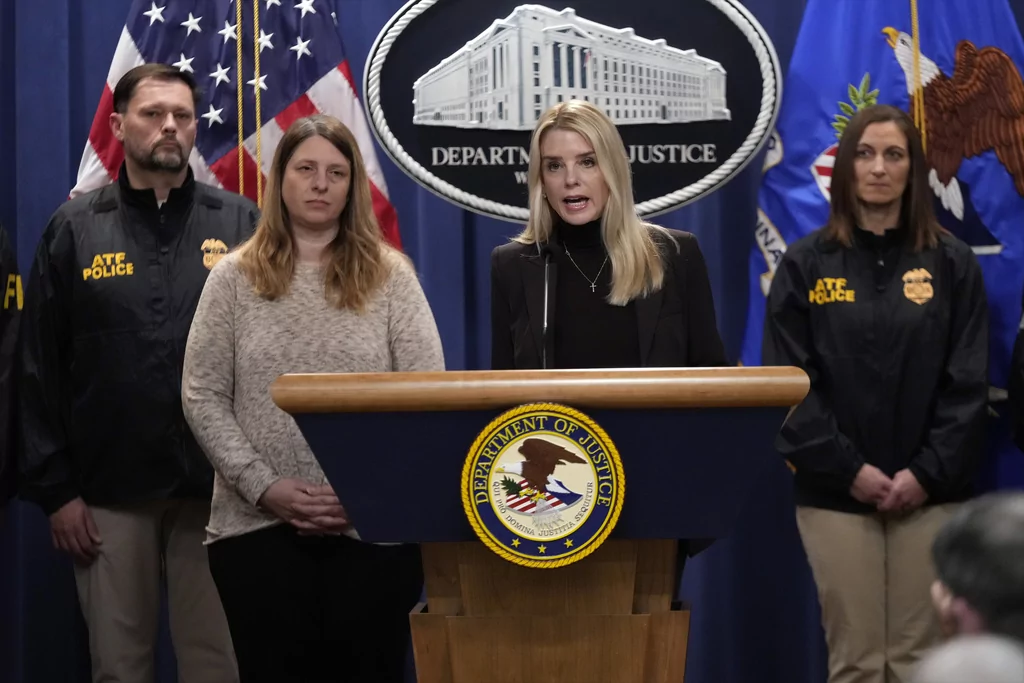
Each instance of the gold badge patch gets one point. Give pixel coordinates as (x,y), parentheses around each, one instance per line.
(213,251)
(917,286)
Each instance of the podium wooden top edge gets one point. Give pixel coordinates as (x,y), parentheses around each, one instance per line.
(647,388)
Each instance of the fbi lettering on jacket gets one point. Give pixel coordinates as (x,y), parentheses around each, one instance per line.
(14,296)
(108,265)
(830,290)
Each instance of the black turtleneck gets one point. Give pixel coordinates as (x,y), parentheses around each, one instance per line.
(152,224)
(179,199)
(588,331)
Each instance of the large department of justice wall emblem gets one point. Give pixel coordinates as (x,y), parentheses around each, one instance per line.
(543,485)
(454,89)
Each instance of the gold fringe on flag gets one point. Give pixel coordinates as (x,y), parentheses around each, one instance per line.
(256,80)
(241,106)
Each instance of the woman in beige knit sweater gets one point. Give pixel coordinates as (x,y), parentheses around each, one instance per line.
(315,290)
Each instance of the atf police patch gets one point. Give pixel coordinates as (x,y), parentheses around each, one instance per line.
(543,485)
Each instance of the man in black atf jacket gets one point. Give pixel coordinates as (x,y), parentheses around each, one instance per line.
(10,282)
(107,452)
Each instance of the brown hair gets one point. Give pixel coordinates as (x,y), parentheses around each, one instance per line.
(916,209)
(356,267)
(124,91)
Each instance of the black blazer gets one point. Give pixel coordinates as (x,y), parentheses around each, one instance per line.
(676,324)
(1015,388)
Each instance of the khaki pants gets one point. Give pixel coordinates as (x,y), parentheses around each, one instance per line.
(874,574)
(120,595)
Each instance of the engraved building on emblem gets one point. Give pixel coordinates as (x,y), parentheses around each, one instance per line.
(536,57)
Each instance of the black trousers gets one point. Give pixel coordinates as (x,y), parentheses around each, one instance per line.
(313,609)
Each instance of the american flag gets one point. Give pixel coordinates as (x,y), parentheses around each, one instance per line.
(303,71)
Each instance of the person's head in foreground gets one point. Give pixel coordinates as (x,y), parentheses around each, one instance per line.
(979,565)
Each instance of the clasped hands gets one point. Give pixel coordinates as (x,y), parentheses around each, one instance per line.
(313,509)
(903,493)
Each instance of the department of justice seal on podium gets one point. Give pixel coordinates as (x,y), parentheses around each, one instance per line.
(543,485)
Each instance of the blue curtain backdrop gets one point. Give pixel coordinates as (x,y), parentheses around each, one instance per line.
(755,615)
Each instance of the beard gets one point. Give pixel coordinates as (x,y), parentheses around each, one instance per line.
(161,158)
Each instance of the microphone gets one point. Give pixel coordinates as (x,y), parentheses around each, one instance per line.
(544,251)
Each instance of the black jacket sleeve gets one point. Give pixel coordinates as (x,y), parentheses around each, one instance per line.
(502,354)
(810,438)
(952,447)
(10,285)
(1015,388)
(44,350)
(704,344)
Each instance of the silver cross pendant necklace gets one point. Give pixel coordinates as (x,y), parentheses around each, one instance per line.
(593,283)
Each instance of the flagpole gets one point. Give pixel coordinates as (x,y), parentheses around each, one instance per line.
(241,105)
(919,118)
(256,79)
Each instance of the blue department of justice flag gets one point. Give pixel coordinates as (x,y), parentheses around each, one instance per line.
(851,54)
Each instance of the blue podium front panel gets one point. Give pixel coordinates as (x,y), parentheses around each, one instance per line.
(687,471)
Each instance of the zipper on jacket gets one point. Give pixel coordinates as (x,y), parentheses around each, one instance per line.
(167,258)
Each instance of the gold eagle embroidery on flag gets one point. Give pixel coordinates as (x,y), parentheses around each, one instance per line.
(977,109)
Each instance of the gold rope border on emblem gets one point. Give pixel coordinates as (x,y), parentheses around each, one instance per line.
(610,450)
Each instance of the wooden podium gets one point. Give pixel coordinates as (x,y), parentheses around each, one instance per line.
(692,442)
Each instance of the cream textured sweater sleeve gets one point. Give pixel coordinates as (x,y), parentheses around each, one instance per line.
(208,387)
(412,334)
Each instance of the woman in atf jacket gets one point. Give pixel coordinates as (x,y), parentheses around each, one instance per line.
(887,314)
